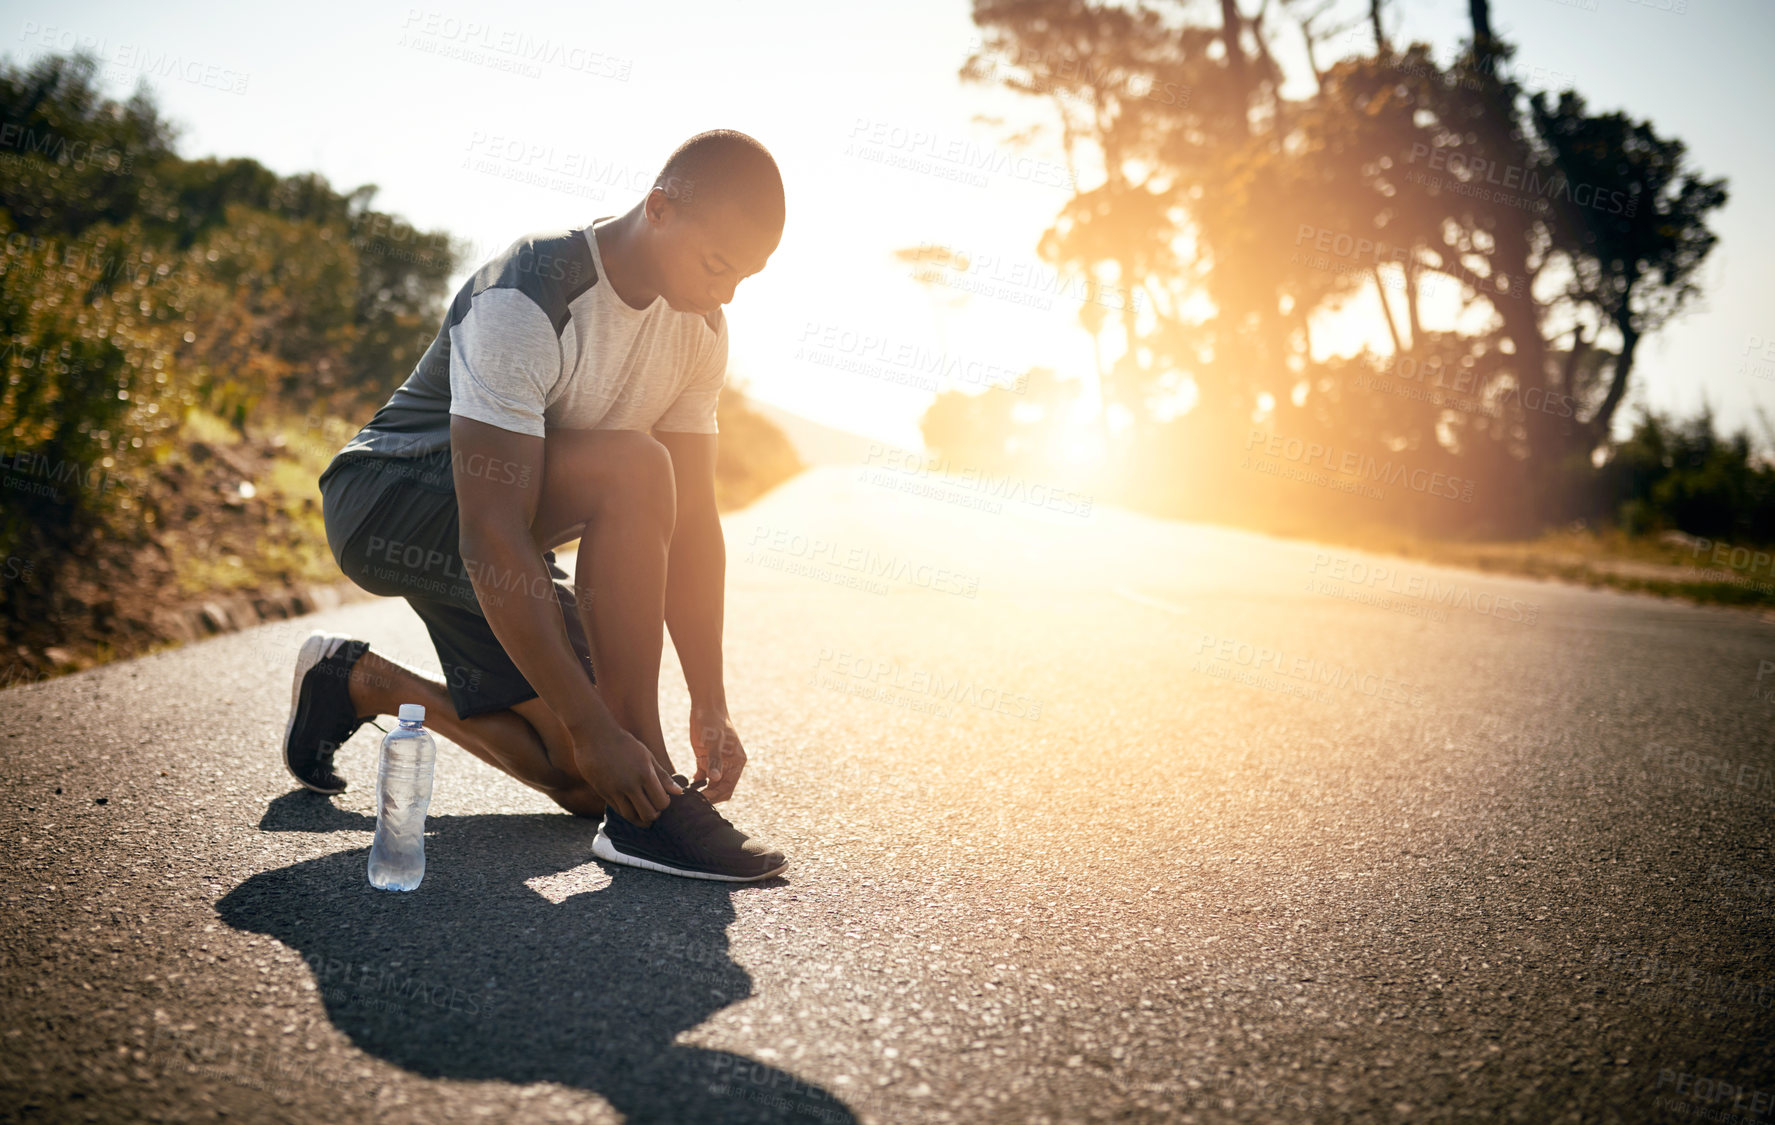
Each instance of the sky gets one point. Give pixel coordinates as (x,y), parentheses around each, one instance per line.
(466,128)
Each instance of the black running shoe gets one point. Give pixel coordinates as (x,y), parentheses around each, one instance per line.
(321,714)
(690,839)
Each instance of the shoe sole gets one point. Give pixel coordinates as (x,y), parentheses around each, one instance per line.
(606,851)
(314,650)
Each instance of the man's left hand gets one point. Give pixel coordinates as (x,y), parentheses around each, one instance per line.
(720,759)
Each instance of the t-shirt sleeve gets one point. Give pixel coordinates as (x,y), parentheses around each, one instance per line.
(693,411)
(505,358)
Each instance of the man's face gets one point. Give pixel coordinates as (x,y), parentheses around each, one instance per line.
(702,254)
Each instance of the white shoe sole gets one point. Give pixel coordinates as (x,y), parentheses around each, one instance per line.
(315,649)
(606,851)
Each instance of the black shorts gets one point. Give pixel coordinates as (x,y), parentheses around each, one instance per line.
(405,546)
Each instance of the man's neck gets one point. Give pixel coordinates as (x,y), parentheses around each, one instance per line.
(625,267)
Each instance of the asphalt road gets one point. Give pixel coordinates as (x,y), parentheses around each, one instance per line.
(1091,817)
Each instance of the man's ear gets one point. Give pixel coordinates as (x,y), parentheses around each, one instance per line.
(657,206)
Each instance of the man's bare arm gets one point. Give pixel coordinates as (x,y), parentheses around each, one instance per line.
(696,579)
(499,482)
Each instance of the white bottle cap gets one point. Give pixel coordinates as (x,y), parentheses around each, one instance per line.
(412,712)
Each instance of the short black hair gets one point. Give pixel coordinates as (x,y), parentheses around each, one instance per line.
(725,166)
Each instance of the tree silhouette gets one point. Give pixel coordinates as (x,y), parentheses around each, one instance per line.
(1239,219)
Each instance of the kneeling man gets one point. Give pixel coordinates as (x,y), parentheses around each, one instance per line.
(570,394)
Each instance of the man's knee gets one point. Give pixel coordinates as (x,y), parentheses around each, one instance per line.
(620,476)
(642,484)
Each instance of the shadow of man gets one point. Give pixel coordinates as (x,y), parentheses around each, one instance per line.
(476,976)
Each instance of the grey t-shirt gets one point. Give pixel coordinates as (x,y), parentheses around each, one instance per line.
(538,340)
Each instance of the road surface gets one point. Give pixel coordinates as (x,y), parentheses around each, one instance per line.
(1091,817)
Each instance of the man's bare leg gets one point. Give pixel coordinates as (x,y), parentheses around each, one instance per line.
(505,740)
(613,489)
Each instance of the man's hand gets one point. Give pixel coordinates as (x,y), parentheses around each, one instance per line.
(624,772)
(720,759)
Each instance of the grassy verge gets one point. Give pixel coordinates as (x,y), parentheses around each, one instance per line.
(1673,565)
(261,529)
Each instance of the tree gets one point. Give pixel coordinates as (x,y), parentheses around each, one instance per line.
(1241,218)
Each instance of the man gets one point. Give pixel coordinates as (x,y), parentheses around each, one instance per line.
(569,394)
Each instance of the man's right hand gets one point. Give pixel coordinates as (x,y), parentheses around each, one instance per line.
(624,772)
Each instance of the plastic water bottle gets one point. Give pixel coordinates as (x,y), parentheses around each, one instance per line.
(403,795)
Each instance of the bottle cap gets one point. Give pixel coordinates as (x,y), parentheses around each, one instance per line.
(412,712)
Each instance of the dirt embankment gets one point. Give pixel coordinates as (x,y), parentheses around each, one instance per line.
(223,536)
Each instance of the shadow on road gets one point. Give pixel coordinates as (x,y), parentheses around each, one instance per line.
(476,976)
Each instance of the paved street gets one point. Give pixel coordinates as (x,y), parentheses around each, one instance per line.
(1091,817)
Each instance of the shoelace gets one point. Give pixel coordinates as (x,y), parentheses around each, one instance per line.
(699,814)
